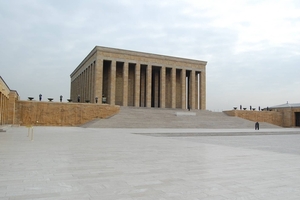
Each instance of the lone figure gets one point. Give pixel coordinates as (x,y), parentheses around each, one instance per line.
(78,98)
(40,97)
(60,98)
(256,126)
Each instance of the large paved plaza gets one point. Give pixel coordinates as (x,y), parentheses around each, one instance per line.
(147,164)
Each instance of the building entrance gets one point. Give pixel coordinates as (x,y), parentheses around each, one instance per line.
(297,117)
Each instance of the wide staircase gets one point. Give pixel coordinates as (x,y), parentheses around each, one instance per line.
(132,117)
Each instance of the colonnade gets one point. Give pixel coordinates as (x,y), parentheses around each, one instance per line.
(139,84)
(84,85)
(3,109)
(4,100)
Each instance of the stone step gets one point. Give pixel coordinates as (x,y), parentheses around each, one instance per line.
(131,117)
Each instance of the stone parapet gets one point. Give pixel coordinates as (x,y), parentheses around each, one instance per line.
(60,114)
(271,117)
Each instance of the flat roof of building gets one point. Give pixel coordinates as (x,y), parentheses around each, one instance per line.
(286,105)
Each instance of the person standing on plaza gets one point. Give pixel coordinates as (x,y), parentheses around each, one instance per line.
(256,126)
(60,98)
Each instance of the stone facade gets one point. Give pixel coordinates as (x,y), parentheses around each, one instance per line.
(4,98)
(16,112)
(8,100)
(129,78)
(290,116)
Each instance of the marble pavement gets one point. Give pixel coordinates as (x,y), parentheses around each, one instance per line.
(145,164)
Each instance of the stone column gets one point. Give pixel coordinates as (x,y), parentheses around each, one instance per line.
(90,84)
(74,91)
(163,87)
(11,105)
(112,83)
(98,79)
(79,86)
(193,89)
(173,85)
(74,97)
(137,85)
(1,107)
(202,91)
(148,85)
(197,90)
(87,84)
(125,84)
(93,83)
(84,85)
(183,89)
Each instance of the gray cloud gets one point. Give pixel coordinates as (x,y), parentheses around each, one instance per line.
(44,41)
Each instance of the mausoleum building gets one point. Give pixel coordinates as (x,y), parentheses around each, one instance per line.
(130,78)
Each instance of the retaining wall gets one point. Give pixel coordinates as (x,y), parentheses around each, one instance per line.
(271,117)
(60,114)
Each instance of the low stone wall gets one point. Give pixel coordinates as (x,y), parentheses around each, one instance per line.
(60,114)
(271,117)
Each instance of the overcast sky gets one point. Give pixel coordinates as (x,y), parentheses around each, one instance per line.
(252,47)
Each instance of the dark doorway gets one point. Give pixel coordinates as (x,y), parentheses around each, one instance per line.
(106,80)
(155,91)
(297,117)
(188,86)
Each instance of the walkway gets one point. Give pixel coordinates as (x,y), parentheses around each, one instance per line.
(115,164)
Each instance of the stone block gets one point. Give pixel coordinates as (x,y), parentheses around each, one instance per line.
(185,114)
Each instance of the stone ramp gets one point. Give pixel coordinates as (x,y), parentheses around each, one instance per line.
(131,117)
